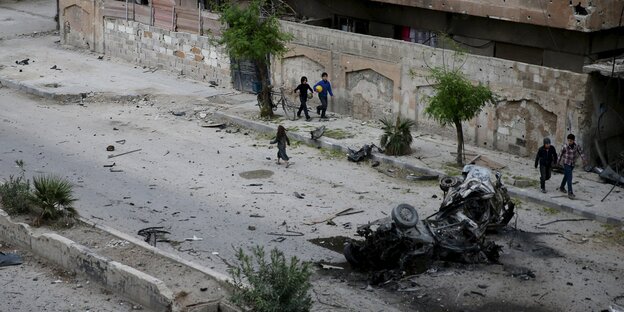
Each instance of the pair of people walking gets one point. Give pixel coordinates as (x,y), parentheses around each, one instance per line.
(323,87)
(547,156)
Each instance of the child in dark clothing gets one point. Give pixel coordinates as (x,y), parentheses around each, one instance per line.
(303,97)
(546,157)
(282,140)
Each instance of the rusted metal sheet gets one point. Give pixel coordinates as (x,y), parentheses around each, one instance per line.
(164,17)
(142,14)
(164,3)
(117,9)
(187,20)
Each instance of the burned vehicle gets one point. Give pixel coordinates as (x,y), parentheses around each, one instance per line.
(472,206)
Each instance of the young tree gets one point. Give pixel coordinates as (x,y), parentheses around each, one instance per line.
(253,33)
(456,100)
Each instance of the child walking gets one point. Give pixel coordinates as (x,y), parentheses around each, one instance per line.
(325,87)
(569,153)
(546,157)
(303,97)
(282,140)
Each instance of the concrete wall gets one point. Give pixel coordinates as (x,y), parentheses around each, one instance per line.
(376,77)
(197,57)
(115,276)
(591,15)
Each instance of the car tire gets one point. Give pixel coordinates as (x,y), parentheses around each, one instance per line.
(351,255)
(447,182)
(405,216)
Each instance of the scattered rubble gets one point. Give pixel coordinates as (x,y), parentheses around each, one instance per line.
(364,153)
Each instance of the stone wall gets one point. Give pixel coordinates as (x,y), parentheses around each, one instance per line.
(376,77)
(196,57)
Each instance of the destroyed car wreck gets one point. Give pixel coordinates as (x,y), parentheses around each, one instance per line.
(471,207)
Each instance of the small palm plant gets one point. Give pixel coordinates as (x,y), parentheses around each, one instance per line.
(397,136)
(273,286)
(53,198)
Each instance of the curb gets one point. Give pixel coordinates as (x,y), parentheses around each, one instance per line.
(68,97)
(36,91)
(122,279)
(127,281)
(334,145)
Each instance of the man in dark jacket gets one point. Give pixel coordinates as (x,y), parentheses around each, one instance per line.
(546,157)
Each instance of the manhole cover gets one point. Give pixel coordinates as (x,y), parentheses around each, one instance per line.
(256,174)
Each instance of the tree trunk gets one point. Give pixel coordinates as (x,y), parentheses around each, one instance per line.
(460,142)
(266,109)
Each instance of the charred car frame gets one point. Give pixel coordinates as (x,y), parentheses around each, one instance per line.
(472,205)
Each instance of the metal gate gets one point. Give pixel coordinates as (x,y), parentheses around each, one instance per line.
(245,76)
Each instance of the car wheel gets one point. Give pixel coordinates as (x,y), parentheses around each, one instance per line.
(350,253)
(447,182)
(405,216)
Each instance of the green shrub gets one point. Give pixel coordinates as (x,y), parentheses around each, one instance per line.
(397,136)
(272,286)
(14,195)
(52,197)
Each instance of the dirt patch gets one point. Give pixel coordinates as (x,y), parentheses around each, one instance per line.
(256,174)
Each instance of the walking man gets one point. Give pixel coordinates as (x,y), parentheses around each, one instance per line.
(569,153)
(325,87)
(546,157)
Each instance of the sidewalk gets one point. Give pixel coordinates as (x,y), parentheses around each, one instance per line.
(83,74)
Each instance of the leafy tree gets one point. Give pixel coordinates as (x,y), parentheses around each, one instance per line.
(252,32)
(456,100)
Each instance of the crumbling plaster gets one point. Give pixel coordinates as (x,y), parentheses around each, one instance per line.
(81,24)
(533,101)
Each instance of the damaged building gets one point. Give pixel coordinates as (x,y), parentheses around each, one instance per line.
(547,61)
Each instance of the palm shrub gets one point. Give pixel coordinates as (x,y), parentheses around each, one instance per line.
(271,286)
(53,198)
(397,136)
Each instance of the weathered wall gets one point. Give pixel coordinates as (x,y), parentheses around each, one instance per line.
(79,23)
(197,57)
(589,15)
(376,77)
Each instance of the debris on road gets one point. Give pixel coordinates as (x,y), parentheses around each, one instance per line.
(194,238)
(179,114)
(346,212)
(117,155)
(153,234)
(109,166)
(22,62)
(317,133)
(364,153)
(300,196)
(7,259)
(110,148)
